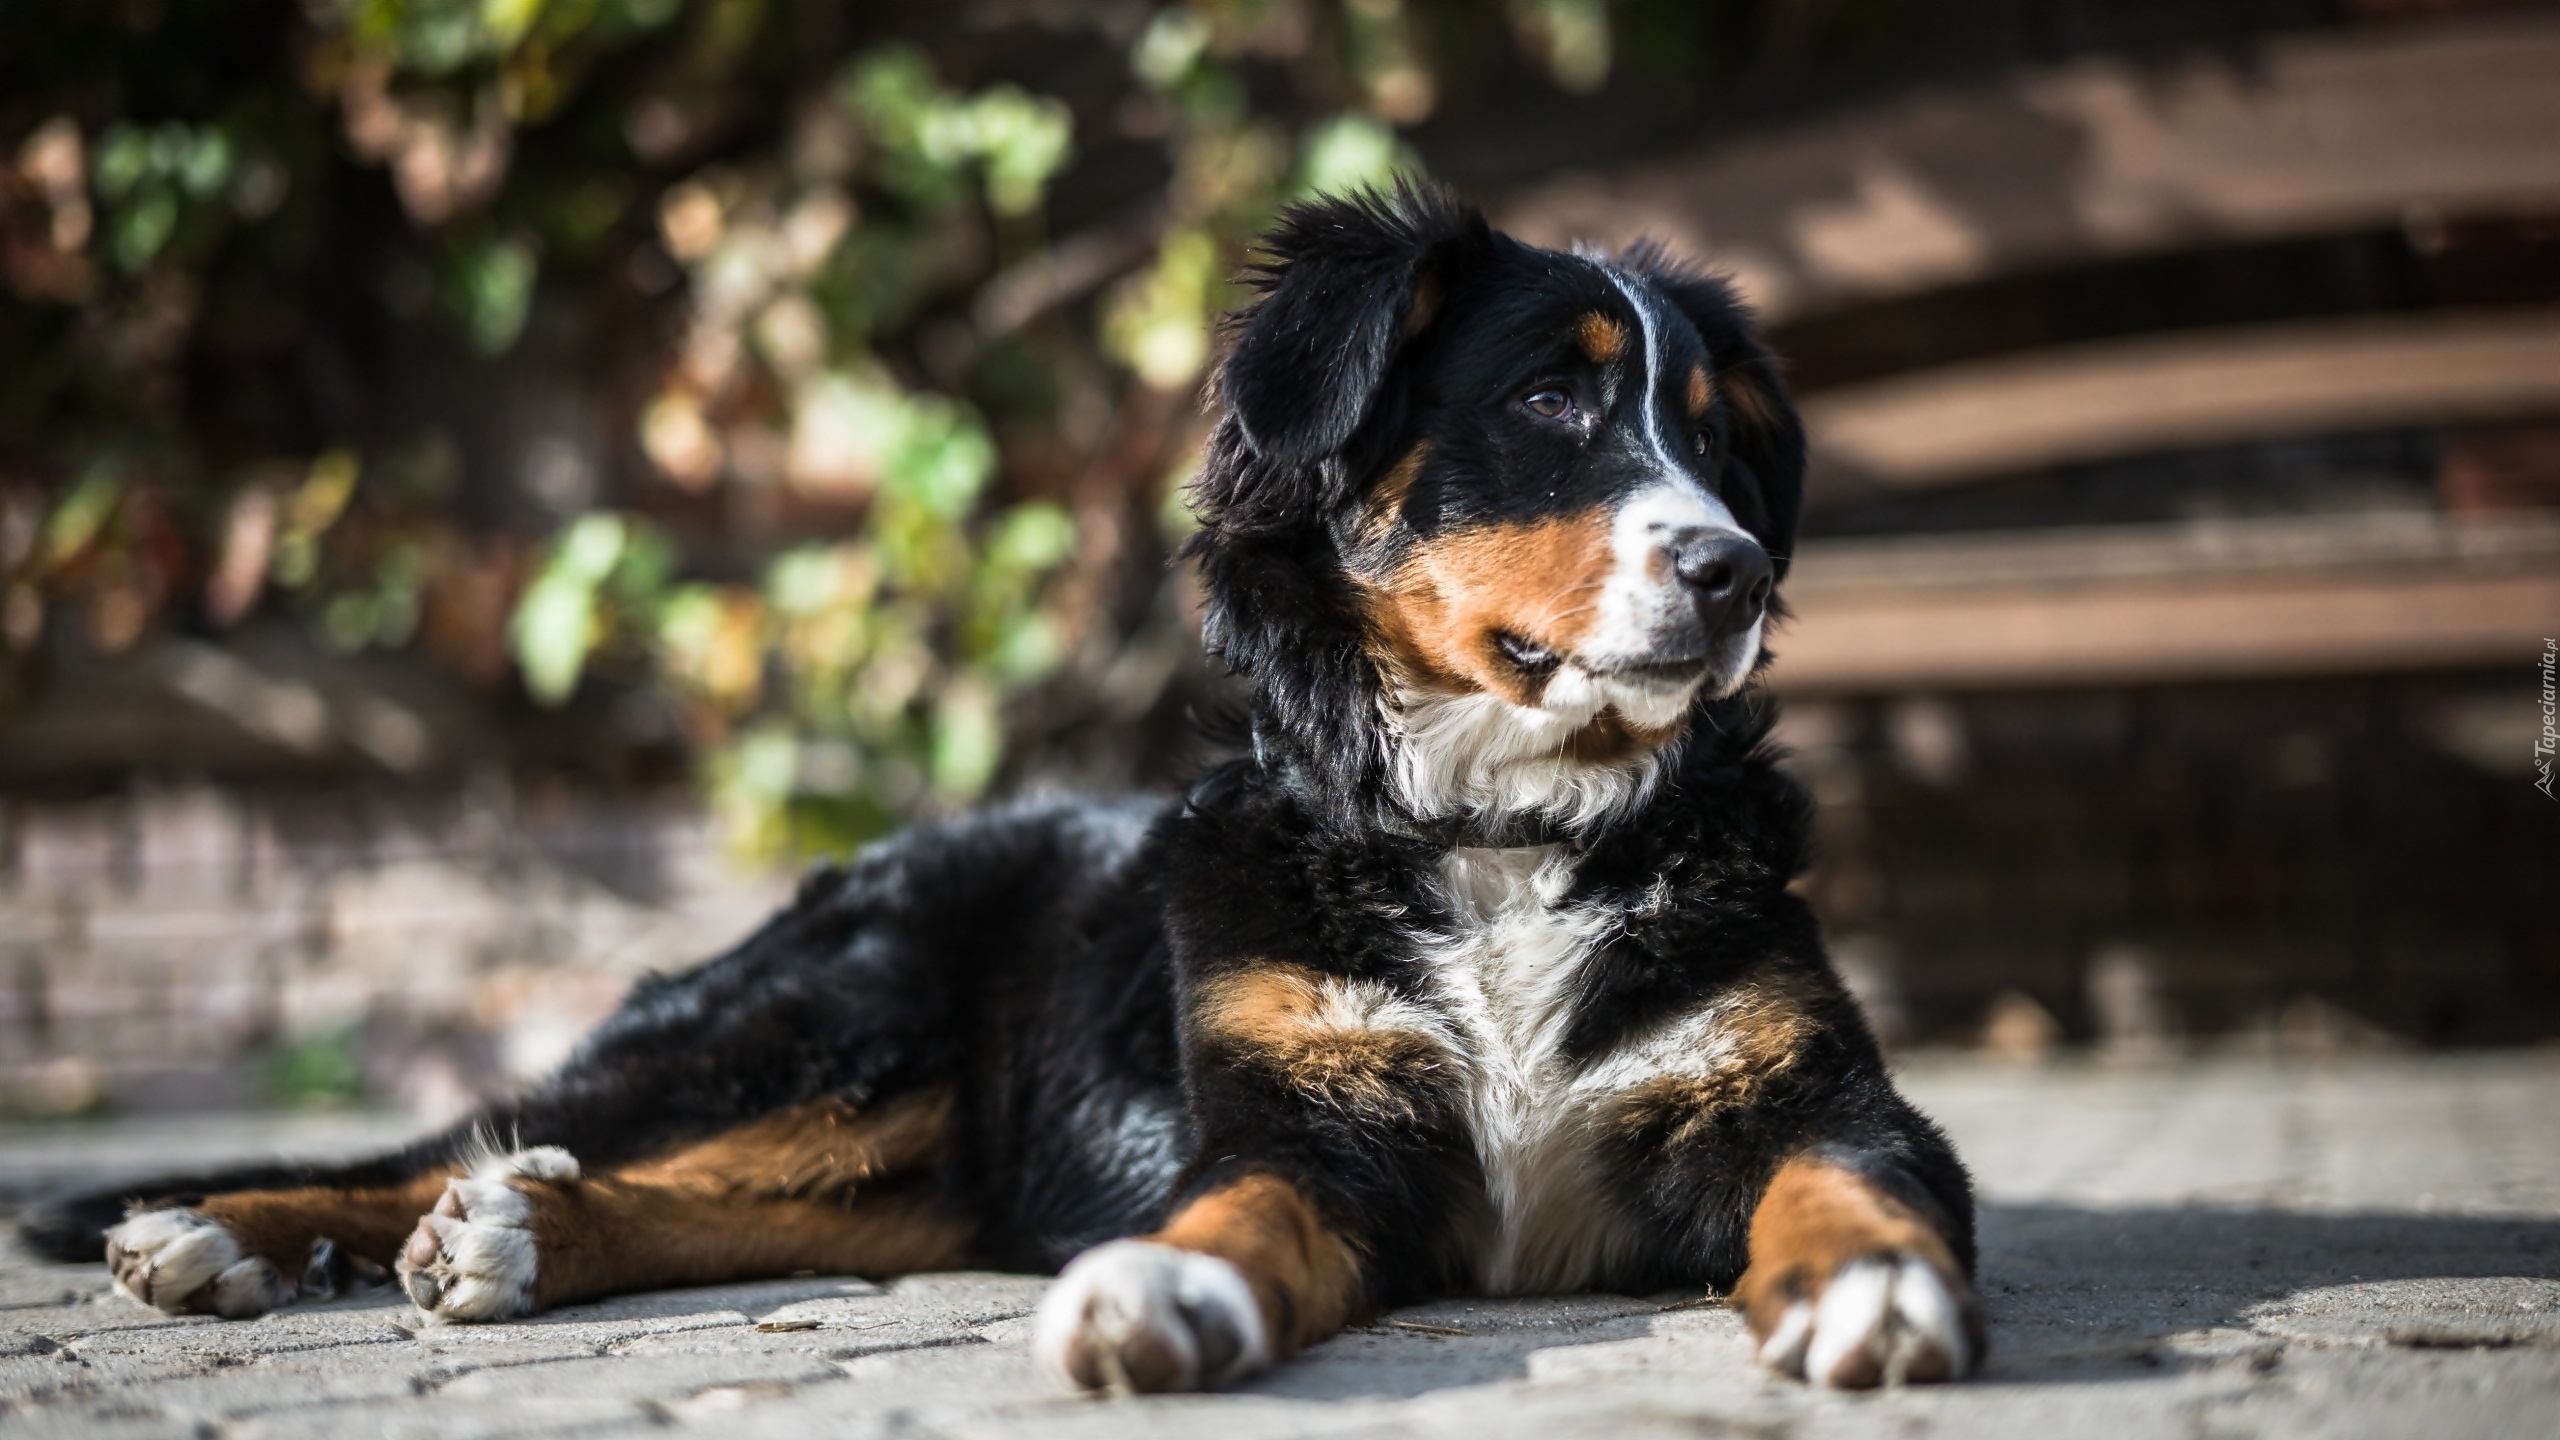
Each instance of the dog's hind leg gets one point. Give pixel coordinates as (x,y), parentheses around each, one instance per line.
(247,1252)
(808,1005)
(818,1187)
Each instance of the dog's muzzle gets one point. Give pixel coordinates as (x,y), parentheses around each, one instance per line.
(1728,577)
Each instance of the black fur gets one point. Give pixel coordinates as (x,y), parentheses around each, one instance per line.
(1040,960)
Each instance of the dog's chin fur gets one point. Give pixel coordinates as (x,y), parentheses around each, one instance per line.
(1483,756)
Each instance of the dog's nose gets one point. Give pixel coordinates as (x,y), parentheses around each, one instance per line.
(1728,574)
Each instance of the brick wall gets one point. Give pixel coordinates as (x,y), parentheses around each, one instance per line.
(2287,862)
(159,948)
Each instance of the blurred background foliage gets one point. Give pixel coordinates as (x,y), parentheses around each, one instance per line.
(901,336)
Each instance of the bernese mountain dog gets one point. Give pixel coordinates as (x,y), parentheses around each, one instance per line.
(1478,974)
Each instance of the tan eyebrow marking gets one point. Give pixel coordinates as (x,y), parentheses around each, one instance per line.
(1601,338)
(1699,391)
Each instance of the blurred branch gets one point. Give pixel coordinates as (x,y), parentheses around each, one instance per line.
(1039,283)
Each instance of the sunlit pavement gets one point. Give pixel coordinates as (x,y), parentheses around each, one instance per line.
(2356,1248)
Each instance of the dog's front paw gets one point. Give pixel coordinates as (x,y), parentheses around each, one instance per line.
(1137,1316)
(474,1257)
(183,1261)
(1879,1320)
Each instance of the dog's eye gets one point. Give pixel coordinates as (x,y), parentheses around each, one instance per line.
(1549,404)
(1698,442)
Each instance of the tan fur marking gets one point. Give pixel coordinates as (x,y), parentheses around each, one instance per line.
(1305,1276)
(1612,737)
(1699,393)
(1436,617)
(819,1149)
(1427,295)
(1814,1218)
(1316,1033)
(1766,1029)
(783,1194)
(1749,395)
(1387,497)
(1602,338)
(278,1226)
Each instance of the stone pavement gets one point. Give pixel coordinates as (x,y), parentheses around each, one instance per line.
(2357,1248)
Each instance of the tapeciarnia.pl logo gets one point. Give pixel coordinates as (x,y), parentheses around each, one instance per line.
(2545,747)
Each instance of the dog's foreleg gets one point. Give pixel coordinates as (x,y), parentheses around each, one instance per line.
(1851,1286)
(1323,1101)
(1247,1273)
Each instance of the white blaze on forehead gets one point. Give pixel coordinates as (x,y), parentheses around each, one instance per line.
(1653,386)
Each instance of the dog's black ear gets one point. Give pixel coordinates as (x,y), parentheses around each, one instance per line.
(1765,465)
(1349,279)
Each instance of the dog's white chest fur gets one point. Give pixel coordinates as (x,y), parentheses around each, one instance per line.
(1508,972)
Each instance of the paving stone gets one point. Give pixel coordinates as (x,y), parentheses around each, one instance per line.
(214,1395)
(32,1285)
(2203,1252)
(100,1424)
(416,1419)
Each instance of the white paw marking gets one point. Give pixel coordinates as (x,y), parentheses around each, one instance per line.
(1880,1321)
(1783,1351)
(177,1261)
(249,1288)
(542,1162)
(474,1257)
(1133,1315)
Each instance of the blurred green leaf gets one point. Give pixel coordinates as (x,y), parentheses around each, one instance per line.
(124,154)
(968,740)
(80,515)
(1170,46)
(1351,152)
(555,624)
(315,1070)
(1571,36)
(347,621)
(489,288)
(942,460)
(929,136)
(1033,536)
(1028,650)
(141,227)
(506,21)
(1160,324)
(1022,141)
(203,164)
(150,177)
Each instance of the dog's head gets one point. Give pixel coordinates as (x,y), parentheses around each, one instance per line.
(1522,512)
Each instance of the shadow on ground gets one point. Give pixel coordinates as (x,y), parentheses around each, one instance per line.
(2074,1294)
(2064,1283)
